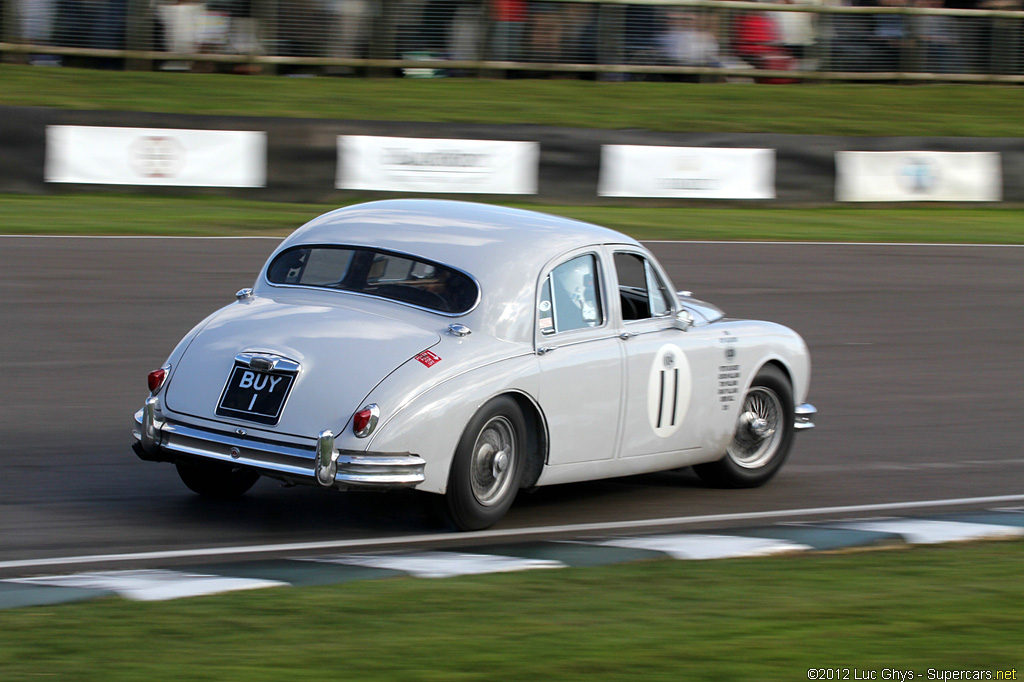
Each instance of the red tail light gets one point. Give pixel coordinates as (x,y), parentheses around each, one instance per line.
(156,379)
(365,420)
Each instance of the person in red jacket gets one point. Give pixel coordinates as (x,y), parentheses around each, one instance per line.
(509,18)
(757,41)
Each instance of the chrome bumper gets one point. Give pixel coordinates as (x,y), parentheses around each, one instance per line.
(161,440)
(804,416)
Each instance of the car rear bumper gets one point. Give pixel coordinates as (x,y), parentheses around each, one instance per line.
(163,440)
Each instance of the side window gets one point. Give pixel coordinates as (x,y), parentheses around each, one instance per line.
(569,297)
(642,293)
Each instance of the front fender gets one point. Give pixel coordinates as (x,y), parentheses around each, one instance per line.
(775,343)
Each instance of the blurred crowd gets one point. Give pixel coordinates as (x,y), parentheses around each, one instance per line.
(788,36)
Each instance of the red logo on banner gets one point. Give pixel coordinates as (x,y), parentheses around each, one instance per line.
(429,359)
(156,156)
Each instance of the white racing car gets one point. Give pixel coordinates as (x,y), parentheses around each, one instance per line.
(470,351)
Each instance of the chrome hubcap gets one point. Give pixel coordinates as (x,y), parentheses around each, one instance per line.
(500,463)
(758,435)
(758,426)
(493,461)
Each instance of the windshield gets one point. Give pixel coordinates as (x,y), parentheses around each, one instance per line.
(378,273)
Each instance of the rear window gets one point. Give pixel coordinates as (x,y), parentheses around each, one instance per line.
(378,273)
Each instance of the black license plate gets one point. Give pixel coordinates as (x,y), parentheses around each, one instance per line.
(254,395)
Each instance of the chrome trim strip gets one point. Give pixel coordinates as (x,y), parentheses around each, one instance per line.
(177,432)
(804,416)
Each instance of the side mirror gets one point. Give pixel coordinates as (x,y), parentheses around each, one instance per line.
(683,320)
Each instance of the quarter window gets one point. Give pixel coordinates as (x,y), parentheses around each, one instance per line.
(642,292)
(569,297)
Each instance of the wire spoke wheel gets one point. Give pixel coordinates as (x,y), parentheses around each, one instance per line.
(763,436)
(493,461)
(758,435)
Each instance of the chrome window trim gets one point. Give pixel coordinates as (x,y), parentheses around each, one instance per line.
(400,254)
(662,290)
(651,264)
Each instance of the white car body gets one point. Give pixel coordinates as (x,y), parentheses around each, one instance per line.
(600,395)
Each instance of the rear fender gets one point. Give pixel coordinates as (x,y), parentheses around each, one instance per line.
(431,424)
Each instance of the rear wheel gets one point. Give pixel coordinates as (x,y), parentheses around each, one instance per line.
(487,467)
(764,435)
(217,481)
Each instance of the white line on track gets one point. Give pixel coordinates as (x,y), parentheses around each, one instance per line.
(503,534)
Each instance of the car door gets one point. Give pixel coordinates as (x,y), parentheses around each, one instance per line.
(580,358)
(665,392)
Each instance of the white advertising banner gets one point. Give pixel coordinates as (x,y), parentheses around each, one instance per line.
(918,176)
(156,156)
(406,164)
(687,172)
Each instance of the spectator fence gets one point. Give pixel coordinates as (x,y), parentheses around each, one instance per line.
(691,40)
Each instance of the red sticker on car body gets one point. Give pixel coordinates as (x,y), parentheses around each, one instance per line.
(428,358)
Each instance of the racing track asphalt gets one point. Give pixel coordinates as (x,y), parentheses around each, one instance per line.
(917,369)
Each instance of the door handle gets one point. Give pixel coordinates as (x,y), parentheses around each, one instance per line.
(545,350)
(627,335)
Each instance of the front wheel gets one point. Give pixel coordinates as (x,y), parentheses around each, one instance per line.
(218,481)
(487,466)
(764,435)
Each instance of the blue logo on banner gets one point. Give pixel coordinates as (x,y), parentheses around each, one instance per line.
(919,175)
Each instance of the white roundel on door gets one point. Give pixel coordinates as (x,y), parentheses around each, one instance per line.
(668,390)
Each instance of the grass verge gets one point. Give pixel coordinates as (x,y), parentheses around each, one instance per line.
(939,608)
(85,214)
(823,109)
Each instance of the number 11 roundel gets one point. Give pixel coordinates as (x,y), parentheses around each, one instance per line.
(668,390)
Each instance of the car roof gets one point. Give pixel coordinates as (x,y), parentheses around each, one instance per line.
(503,249)
(472,237)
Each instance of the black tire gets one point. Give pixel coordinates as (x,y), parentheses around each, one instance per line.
(216,481)
(763,438)
(488,466)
